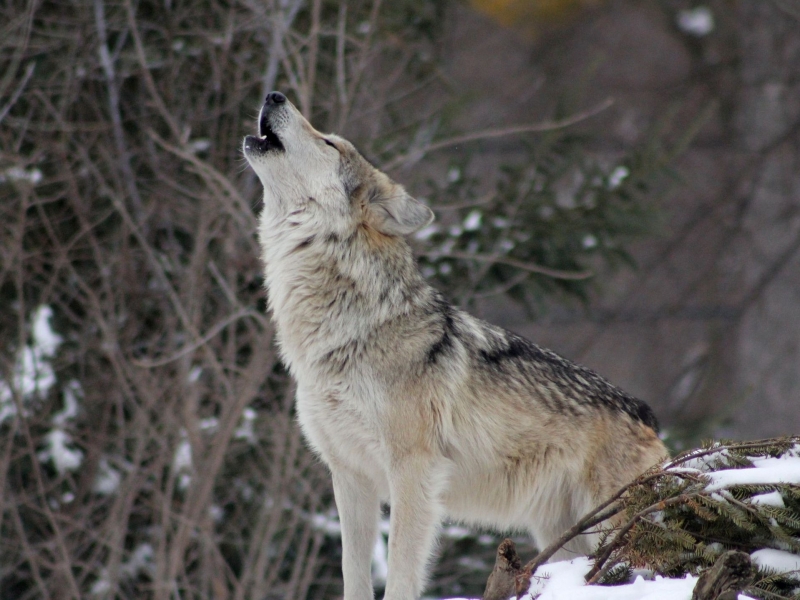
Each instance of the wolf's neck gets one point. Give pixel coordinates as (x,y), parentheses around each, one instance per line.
(327,291)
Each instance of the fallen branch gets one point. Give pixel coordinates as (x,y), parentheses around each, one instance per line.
(501,584)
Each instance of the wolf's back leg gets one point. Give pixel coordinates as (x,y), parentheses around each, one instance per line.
(571,503)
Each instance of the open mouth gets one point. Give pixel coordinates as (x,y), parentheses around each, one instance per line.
(267,140)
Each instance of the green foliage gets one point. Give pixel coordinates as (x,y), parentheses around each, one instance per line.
(679,525)
(556,218)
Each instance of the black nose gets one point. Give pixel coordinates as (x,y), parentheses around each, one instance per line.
(275,98)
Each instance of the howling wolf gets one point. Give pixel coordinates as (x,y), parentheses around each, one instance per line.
(407,399)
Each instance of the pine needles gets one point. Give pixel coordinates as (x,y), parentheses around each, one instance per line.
(680,518)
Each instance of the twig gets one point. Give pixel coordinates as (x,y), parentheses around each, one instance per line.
(307,93)
(499,132)
(361,64)
(146,75)
(18,92)
(65,564)
(281,22)
(27,550)
(526,266)
(128,178)
(243,216)
(149,364)
(599,570)
(341,75)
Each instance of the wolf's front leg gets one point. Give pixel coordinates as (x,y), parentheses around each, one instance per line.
(359,509)
(415,488)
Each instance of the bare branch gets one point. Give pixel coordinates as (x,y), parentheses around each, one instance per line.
(418,154)
(518,264)
(18,91)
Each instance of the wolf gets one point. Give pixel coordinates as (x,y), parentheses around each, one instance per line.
(408,400)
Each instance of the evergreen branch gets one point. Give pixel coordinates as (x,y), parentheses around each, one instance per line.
(598,571)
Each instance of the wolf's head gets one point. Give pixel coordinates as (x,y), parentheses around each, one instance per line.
(305,171)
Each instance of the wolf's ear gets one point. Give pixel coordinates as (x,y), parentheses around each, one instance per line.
(397,213)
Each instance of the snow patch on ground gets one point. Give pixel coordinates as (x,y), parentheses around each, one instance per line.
(564,581)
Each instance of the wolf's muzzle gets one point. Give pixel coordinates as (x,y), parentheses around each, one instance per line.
(267,139)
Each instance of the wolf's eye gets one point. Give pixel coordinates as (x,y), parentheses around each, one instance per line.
(331,144)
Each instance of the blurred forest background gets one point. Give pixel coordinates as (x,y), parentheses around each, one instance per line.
(618,180)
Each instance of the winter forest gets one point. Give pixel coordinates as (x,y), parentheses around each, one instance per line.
(618,180)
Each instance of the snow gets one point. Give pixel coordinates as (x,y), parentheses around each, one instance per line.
(199,145)
(698,21)
(245,430)
(72,391)
(701,462)
(769,499)
(210,424)
(183,455)
(32,374)
(44,337)
(139,561)
(785,469)
(64,458)
(195,374)
(426,232)
(777,560)
(182,461)
(617,176)
(473,221)
(380,561)
(328,522)
(107,479)
(500,222)
(565,581)
(33,176)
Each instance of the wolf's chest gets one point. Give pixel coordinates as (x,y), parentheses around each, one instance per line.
(343,429)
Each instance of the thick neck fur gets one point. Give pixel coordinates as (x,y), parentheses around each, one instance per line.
(333,284)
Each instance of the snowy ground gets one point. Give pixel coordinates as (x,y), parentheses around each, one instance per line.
(564,581)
